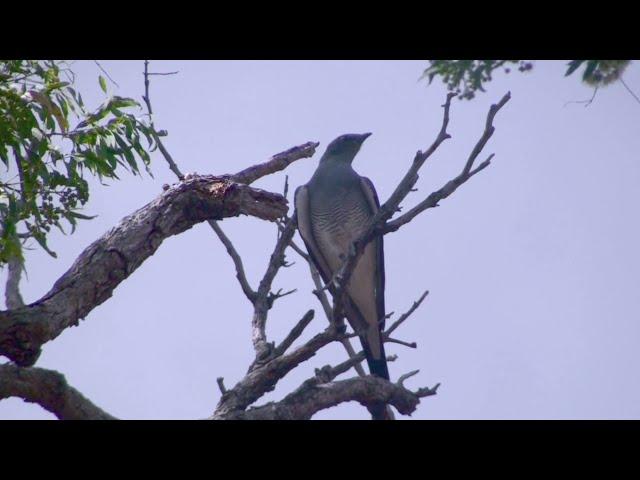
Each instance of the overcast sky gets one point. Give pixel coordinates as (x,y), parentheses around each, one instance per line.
(533,266)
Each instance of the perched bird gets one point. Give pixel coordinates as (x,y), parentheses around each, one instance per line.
(333,209)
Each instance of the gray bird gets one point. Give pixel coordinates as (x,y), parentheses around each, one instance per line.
(332,211)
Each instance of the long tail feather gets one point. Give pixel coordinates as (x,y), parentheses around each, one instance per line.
(378,367)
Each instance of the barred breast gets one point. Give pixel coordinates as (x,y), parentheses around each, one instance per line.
(338,221)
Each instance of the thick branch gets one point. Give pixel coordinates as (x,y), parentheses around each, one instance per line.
(262,302)
(313,397)
(263,377)
(278,162)
(50,390)
(113,257)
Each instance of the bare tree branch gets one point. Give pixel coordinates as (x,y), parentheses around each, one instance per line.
(50,390)
(294,333)
(262,302)
(401,342)
(276,163)
(262,377)
(220,381)
(488,132)
(147,100)
(312,397)
(113,257)
(585,102)
(12,296)
(406,376)
(631,92)
(434,198)
(237,261)
(406,315)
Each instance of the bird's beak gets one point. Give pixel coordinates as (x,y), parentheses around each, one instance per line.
(364,136)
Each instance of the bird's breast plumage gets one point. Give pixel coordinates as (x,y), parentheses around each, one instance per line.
(338,219)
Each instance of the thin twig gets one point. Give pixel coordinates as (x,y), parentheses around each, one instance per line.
(451,186)
(406,376)
(147,99)
(486,135)
(163,73)
(294,333)
(586,102)
(629,90)
(106,73)
(400,342)
(237,261)
(406,315)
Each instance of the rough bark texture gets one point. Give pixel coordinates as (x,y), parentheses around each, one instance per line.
(118,253)
(314,396)
(263,377)
(278,162)
(50,390)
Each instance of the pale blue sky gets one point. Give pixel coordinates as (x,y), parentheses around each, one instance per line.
(533,266)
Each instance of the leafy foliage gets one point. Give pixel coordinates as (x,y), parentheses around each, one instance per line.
(466,77)
(598,72)
(46,159)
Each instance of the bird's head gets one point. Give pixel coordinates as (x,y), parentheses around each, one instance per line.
(345,147)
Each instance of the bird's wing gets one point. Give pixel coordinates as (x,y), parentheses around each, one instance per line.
(301,201)
(372,197)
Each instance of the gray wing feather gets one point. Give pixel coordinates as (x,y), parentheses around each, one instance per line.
(372,197)
(301,201)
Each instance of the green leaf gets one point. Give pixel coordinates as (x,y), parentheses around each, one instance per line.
(103,83)
(121,102)
(573,66)
(55,86)
(40,238)
(82,216)
(591,67)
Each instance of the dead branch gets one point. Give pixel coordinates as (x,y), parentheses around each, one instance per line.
(294,334)
(237,261)
(263,376)
(405,315)
(50,390)
(262,302)
(276,163)
(312,397)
